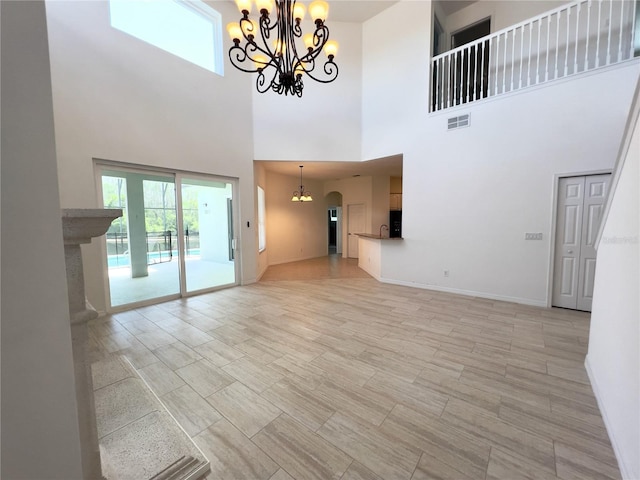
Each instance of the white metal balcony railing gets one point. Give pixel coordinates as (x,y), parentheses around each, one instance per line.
(574,38)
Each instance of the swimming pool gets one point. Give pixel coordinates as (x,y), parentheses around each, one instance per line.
(123,260)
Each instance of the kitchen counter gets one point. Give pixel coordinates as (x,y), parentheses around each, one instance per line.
(377,237)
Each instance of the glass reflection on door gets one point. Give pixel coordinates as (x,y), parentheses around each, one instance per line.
(208,234)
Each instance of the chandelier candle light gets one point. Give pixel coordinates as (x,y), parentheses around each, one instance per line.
(301,195)
(270,45)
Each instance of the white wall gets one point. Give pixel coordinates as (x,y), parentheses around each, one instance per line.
(118,98)
(395,105)
(470,195)
(40,436)
(295,230)
(395,86)
(613,361)
(325,123)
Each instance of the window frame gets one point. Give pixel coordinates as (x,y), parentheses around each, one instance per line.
(261,213)
(206,12)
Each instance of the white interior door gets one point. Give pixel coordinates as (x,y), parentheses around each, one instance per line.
(339,230)
(580,204)
(355,225)
(595,192)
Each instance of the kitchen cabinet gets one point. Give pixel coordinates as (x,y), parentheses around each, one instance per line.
(395,201)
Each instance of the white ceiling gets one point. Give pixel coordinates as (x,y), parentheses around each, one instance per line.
(391,166)
(452,6)
(356,11)
(359,11)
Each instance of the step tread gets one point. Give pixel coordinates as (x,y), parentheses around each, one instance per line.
(138,437)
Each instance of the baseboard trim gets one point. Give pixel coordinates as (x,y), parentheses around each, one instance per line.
(249,281)
(260,274)
(468,293)
(625,470)
(373,274)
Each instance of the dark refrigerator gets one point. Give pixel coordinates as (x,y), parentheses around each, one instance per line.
(395,223)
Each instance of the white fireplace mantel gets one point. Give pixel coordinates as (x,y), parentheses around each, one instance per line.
(80,226)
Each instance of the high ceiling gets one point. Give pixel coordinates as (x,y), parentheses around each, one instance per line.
(355,11)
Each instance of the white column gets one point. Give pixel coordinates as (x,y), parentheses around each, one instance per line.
(137,230)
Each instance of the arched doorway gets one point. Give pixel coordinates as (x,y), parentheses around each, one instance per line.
(334,219)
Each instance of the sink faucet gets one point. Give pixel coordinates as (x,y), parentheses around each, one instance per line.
(383,226)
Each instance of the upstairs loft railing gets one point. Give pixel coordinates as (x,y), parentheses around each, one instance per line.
(571,39)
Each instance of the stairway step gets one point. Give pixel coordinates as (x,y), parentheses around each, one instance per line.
(139,439)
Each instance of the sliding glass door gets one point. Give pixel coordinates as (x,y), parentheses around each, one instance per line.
(176,235)
(207,219)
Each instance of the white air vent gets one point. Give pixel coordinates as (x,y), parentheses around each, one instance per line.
(458,122)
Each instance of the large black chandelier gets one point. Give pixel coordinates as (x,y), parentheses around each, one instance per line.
(271,48)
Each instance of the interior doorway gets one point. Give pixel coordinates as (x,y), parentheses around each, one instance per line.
(579,211)
(472,32)
(334,241)
(471,66)
(438,37)
(334,223)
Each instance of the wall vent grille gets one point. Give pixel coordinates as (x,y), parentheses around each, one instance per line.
(458,122)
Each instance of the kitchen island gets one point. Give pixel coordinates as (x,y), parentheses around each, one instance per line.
(370,252)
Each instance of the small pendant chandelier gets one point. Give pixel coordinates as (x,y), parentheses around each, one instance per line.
(270,45)
(301,195)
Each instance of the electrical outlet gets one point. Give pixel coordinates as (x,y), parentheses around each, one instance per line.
(445,273)
(533,236)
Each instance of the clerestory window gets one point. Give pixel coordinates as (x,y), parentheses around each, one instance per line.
(189,29)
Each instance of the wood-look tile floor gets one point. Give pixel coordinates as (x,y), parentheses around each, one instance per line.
(331,266)
(348,378)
